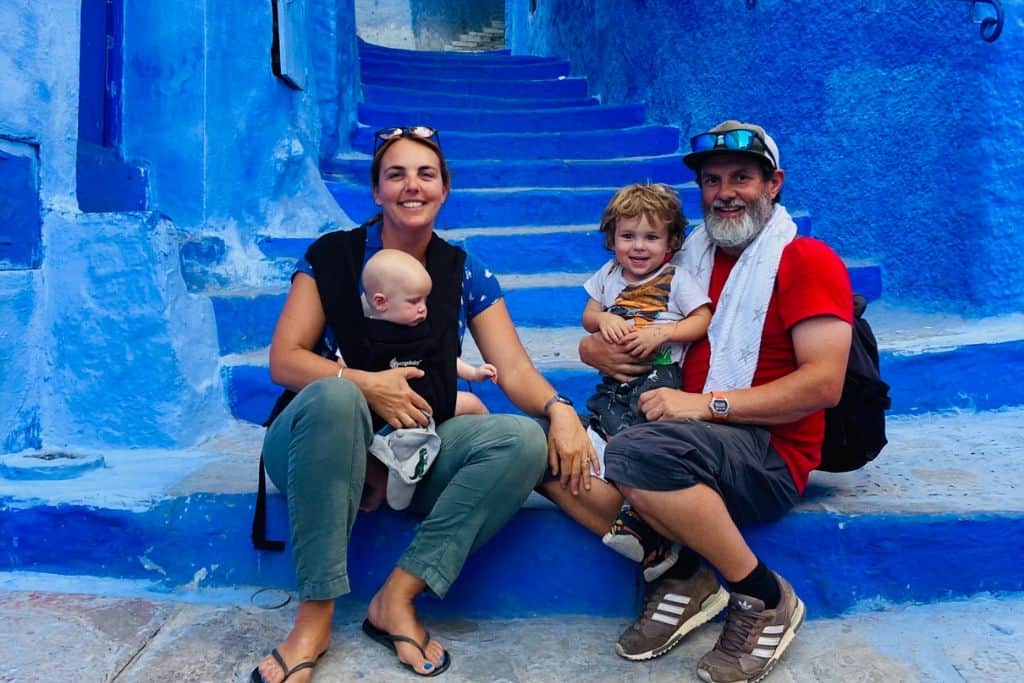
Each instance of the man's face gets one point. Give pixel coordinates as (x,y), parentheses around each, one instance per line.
(736,198)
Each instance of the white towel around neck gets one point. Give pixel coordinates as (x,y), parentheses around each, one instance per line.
(736,328)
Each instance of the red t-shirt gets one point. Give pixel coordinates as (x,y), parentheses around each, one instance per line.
(811,281)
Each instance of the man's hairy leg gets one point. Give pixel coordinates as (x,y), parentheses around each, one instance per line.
(595,509)
(697,518)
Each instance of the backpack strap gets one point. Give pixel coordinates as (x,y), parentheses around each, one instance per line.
(259,517)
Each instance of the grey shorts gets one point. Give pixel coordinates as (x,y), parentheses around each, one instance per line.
(737,461)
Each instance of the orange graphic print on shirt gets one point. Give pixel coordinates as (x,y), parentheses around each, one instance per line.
(643,302)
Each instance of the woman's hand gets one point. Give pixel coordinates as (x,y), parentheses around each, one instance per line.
(389,395)
(570,453)
(611,359)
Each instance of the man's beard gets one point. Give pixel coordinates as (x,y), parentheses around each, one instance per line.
(737,233)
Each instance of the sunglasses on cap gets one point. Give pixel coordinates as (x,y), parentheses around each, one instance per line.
(385,134)
(734,140)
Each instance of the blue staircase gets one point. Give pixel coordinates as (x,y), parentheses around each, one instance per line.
(534,160)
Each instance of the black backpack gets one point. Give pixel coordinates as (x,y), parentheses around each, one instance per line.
(855,428)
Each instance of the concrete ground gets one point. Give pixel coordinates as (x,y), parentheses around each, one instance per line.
(54,636)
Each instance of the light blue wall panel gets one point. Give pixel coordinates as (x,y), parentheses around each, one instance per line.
(230,146)
(19,361)
(130,357)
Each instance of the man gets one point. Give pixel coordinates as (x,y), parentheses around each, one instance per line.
(735,445)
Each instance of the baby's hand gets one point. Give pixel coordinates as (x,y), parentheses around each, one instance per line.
(487,371)
(613,328)
(643,342)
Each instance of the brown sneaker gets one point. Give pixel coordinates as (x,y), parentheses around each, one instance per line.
(753,638)
(672,608)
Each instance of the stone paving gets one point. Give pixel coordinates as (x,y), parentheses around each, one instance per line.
(49,637)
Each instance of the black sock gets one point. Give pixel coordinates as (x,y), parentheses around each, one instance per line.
(685,567)
(760,584)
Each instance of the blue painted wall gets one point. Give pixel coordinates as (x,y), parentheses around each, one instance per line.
(102,344)
(37,109)
(20,217)
(900,128)
(231,147)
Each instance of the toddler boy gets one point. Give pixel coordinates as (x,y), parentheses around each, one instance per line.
(654,309)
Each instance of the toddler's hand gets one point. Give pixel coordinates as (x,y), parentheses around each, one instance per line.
(643,342)
(613,328)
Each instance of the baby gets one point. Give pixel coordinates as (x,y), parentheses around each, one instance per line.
(653,309)
(395,289)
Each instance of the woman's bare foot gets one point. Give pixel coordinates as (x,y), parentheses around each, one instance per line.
(391,610)
(309,637)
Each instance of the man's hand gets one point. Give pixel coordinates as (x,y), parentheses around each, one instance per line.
(611,359)
(672,404)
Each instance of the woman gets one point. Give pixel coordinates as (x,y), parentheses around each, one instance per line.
(316,449)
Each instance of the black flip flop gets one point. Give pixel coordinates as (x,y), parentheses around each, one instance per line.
(255,677)
(388,641)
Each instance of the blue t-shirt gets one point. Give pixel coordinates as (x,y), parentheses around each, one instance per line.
(480,288)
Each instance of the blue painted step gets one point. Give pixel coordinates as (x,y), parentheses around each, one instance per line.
(370,68)
(599,117)
(489,208)
(575,251)
(561,88)
(639,141)
(835,560)
(562,306)
(449,56)
(470,173)
(951,379)
(245,322)
(397,53)
(424,96)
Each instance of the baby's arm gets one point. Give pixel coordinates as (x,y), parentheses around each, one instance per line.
(475,374)
(613,328)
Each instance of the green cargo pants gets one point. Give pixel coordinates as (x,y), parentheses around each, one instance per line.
(315,453)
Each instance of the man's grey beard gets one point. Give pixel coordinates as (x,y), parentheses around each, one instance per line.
(737,233)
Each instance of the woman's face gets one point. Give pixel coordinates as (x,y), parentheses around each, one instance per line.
(410,189)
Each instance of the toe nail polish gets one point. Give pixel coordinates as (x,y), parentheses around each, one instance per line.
(428,665)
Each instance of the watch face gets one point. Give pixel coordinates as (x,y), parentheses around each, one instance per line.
(720,406)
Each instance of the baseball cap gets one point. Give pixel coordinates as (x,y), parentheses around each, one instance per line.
(732,136)
(408,453)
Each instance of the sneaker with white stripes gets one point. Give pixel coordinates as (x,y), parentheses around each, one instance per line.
(672,608)
(753,638)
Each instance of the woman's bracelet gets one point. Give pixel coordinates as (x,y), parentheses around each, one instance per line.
(340,371)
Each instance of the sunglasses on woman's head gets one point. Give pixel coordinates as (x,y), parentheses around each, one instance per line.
(735,140)
(385,134)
